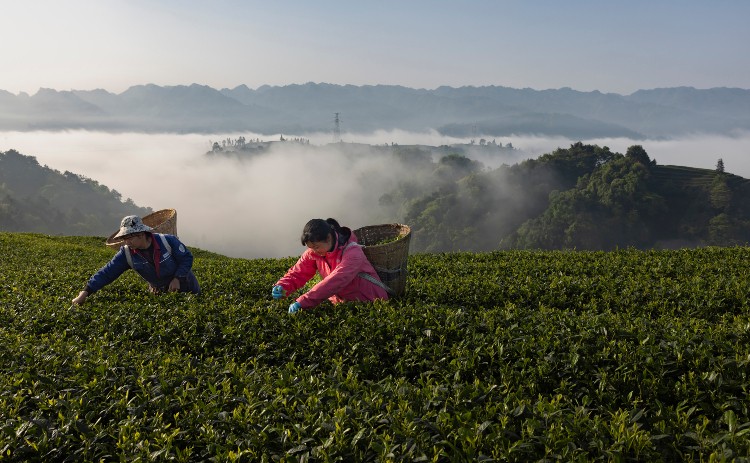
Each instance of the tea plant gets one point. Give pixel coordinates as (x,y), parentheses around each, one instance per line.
(503,356)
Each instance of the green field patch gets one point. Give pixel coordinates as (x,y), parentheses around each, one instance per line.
(501,356)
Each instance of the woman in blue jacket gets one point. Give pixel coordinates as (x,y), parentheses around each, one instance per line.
(162,260)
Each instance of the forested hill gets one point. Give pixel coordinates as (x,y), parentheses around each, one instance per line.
(35,198)
(583,197)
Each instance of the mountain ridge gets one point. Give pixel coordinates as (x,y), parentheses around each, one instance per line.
(302,109)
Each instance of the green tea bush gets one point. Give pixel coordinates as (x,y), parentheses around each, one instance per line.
(504,356)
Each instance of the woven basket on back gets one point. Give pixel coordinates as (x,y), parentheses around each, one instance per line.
(389,258)
(163,221)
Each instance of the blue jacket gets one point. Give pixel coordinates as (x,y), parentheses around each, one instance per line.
(177,264)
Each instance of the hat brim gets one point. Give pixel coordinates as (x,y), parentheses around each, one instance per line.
(130,231)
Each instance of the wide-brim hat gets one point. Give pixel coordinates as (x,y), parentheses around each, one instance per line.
(132,224)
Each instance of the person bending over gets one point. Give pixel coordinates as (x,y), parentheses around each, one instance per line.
(332,251)
(160,259)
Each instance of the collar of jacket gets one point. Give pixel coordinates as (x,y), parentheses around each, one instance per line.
(335,242)
(339,238)
(334,254)
(157,252)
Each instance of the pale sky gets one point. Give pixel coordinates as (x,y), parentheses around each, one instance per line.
(610,46)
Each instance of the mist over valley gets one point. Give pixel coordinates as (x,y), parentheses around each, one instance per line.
(255,205)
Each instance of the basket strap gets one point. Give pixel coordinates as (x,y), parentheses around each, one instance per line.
(128,256)
(387,270)
(370,278)
(347,247)
(164,242)
(375,281)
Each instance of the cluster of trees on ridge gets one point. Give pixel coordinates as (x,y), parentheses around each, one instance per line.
(582,197)
(35,198)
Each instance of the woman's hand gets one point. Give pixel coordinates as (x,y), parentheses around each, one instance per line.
(294,307)
(81,298)
(174,285)
(277,292)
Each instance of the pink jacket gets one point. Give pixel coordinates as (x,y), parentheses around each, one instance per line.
(339,276)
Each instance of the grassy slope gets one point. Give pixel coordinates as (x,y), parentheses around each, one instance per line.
(512,355)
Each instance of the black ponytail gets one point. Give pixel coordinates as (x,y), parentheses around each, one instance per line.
(343,232)
(334,224)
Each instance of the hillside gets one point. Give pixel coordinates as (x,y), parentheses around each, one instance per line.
(583,197)
(489,111)
(35,198)
(504,356)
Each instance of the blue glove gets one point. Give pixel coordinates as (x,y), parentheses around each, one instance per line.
(277,292)
(294,308)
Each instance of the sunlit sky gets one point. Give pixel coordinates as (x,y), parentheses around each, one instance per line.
(610,46)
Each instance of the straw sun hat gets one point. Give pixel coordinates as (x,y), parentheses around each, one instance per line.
(132,224)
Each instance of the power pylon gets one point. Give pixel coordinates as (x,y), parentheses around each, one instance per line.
(336,128)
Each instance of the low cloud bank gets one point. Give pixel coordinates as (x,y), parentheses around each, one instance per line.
(257,207)
(242,208)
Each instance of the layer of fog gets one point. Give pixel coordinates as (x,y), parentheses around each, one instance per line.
(257,207)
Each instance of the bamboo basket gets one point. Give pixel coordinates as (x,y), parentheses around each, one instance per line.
(163,221)
(389,259)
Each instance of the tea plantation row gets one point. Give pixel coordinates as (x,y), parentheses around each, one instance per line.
(504,356)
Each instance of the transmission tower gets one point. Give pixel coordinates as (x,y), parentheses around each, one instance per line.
(336,128)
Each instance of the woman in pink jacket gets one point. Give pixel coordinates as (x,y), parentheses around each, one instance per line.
(333,252)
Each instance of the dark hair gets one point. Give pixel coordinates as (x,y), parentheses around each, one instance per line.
(317,230)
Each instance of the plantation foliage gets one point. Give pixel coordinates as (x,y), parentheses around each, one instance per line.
(504,356)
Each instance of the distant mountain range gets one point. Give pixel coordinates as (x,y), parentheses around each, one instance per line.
(309,108)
